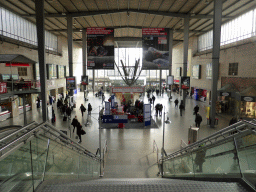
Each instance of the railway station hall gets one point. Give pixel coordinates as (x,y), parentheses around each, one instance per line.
(127,95)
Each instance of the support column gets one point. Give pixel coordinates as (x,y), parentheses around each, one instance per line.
(39,4)
(93,80)
(24,109)
(84,49)
(160,82)
(185,55)
(215,56)
(70,47)
(170,57)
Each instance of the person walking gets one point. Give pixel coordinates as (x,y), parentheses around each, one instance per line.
(103,98)
(68,111)
(160,109)
(232,121)
(176,103)
(38,102)
(153,99)
(198,120)
(181,107)
(196,109)
(74,123)
(89,108)
(200,159)
(79,132)
(82,108)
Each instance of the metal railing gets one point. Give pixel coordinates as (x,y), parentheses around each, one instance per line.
(183,144)
(228,153)
(155,149)
(105,150)
(39,152)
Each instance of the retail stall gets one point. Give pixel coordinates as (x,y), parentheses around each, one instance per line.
(246,103)
(226,99)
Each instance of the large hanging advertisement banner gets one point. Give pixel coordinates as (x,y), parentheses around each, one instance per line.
(155,44)
(100,48)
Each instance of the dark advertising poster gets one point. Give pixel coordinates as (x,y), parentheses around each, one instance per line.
(71,83)
(185,82)
(155,46)
(100,48)
(84,80)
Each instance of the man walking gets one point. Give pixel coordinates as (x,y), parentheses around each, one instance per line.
(89,109)
(198,120)
(153,99)
(176,103)
(74,123)
(181,107)
(82,108)
(196,109)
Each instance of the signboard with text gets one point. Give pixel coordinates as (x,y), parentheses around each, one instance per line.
(71,83)
(100,48)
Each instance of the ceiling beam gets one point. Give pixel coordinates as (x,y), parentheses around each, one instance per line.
(93,13)
(80,30)
(127,39)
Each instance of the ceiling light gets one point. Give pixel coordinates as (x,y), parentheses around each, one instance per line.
(128,14)
(63,13)
(193,13)
(206,2)
(81,30)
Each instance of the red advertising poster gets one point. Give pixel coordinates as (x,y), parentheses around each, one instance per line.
(155,48)
(3,88)
(100,48)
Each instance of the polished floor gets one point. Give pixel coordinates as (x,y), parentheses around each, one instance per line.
(130,151)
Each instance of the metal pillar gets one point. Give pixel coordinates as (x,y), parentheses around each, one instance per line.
(185,55)
(170,57)
(160,82)
(215,56)
(39,4)
(84,49)
(93,80)
(70,47)
(24,109)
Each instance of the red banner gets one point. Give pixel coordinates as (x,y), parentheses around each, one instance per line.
(99,30)
(17,65)
(3,88)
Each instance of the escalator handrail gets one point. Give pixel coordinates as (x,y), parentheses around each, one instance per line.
(42,126)
(20,130)
(74,143)
(226,130)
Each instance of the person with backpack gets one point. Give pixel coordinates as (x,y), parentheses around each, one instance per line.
(198,120)
(153,99)
(79,131)
(181,107)
(82,108)
(89,108)
(196,109)
(74,123)
(176,103)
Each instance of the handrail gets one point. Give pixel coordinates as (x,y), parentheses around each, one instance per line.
(105,150)
(15,132)
(72,142)
(239,126)
(42,126)
(182,143)
(155,148)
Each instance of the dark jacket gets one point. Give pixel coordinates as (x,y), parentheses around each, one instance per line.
(74,122)
(181,107)
(82,108)
(176,102)
(78,129)
(196,109)
(89,107)
(198,118)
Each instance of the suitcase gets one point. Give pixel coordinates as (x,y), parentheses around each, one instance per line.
(65,118)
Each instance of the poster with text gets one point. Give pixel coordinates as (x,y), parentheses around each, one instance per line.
(100,48)
(71,82)
(185,82)
(155,44)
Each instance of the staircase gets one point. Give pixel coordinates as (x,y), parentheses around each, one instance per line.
(143,185)
(40,158)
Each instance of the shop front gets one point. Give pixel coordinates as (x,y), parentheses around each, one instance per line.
(246,103)
(226,99)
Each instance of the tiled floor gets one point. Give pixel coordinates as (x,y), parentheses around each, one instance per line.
(130,151)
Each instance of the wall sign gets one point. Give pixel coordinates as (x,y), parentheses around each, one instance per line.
(248,99)
(3,88)
(127,89)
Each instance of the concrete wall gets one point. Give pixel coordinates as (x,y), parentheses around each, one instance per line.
(243,53)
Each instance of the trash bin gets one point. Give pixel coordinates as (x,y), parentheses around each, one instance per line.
(215,122)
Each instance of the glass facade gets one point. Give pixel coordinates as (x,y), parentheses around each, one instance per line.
(15,27)
(240,28)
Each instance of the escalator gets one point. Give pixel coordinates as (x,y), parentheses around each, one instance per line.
(40,158)
(39,152)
